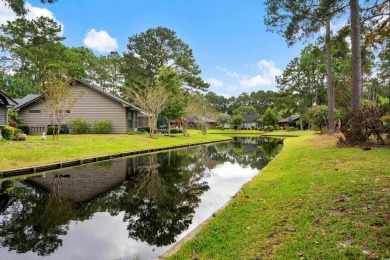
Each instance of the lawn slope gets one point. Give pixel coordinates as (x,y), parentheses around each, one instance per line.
(35,152)
(313,201)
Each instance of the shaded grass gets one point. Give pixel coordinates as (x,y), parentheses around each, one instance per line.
(313,201)
(37,152)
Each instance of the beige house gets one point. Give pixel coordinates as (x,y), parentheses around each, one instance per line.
(93,104)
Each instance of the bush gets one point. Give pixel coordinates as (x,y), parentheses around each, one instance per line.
(25,128)
(147,129)
(102,126)
(51,129)
(176,131)
(136,133)
(269,128)
(358,126)
(13,123)
(290,128)
(79,126)
(15,116)
(8,132)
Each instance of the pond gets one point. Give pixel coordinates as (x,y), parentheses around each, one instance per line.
(129,208)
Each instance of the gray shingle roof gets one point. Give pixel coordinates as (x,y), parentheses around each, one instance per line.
(11,102)
(289,119)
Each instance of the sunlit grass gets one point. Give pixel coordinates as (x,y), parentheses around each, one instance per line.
(34,151)
(313,201)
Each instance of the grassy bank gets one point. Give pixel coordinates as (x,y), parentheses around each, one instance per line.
(313,201)
(34,151)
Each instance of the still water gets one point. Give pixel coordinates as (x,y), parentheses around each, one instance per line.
(129,208)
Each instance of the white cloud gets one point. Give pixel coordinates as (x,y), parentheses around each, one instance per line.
(214,82)
(6,14)
(231,74)
(267,77)
(100,41)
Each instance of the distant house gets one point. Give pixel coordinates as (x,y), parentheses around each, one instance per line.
(5,103)
(290,121)
(192,123)
(93,104)
(251,122)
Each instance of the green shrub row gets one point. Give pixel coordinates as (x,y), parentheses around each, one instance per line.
(81,126)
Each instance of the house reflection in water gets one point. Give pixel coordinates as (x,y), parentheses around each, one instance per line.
(84,183)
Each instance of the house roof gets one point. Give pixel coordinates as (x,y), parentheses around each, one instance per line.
(34,97)
(251,118)
(6,99)
(289,119)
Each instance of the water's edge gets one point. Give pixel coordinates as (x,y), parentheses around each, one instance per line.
(88,160)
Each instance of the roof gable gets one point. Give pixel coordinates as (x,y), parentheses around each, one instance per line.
(4,99)
(34,97)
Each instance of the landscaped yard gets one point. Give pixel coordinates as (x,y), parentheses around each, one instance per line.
(313,201)
(34,151)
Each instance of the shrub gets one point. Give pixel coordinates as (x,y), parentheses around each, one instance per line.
(8,132)
(147,129)
(176,131)
(13,123)
(15,116)
(51,129)
(25,128)
(290,128)
(358,126)
(136,133)
(102,126)
(79,126)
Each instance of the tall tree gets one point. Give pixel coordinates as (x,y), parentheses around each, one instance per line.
(18,5)
(356,56)
(149,51)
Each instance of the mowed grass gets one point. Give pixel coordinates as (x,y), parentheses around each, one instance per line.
(34,151)
(313,201)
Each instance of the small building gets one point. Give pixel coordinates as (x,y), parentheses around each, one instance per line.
(93,104)
(290,121)
(5,103)
(192,123)
(251,122)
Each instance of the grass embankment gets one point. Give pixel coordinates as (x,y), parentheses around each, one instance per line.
(35,152)
(313,201)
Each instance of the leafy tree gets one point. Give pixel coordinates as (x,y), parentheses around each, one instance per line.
(223,119)
(219,103)
(59,99)
(237,120)
(245,110)
(318,116)
(199,109)
(17,86)
(32,45)
(178,99)
(269,118)
(261,99)
(18,5)
(149,51)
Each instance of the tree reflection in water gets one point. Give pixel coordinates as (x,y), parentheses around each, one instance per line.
(157,193)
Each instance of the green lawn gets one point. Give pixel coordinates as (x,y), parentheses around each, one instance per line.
(313,201)
(35,152)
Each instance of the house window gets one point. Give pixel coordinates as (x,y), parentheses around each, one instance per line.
(34,111)
(61,111)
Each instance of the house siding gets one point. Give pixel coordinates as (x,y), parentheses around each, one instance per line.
(91,106)
(3,115)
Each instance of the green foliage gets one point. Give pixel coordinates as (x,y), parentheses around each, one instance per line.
(51,130)
(102,126)
(269,118)
(8,132)
(149,50)
(17,85)
(25,128)
(79,126)
(318,116)
(245,110)
(237,120)
(15,116)
(176,131)
(222,119)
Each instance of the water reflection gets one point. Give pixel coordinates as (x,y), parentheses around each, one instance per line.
(157,196)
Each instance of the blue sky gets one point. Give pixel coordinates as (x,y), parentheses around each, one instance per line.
(228,37)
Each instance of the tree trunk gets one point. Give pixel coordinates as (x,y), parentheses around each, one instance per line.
(356,56)
(329,80)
